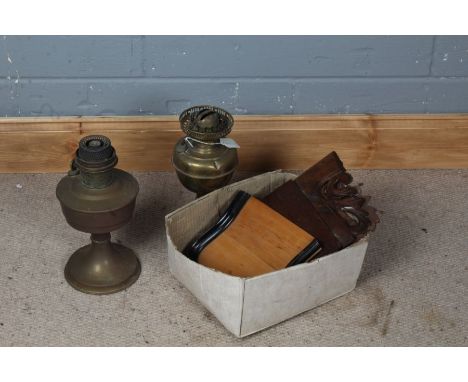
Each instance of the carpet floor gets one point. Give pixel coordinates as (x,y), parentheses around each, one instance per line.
(412,291)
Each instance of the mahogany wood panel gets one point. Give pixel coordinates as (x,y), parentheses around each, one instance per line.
(267,142)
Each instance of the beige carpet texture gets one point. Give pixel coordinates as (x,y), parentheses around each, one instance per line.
(412,291)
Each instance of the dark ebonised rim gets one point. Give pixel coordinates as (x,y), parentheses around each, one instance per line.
(306,254)
(193,249)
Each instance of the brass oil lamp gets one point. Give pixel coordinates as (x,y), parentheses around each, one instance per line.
(204,159)
(97,198)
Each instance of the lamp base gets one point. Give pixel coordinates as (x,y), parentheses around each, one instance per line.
(102,267)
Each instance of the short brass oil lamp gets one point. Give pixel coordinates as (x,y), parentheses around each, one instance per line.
(97,198)
(204,160)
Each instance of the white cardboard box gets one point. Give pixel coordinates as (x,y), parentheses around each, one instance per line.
(248,305)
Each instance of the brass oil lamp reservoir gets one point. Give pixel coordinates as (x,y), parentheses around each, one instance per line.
(204,160)
(97,198)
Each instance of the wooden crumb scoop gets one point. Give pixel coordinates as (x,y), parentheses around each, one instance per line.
(253,240)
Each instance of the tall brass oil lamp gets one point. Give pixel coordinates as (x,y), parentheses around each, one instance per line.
(205,160)
(97,198)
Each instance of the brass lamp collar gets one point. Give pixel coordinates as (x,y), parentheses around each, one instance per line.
(206,123)
(95,159)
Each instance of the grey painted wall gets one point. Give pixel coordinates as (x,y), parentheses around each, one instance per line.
(141,75)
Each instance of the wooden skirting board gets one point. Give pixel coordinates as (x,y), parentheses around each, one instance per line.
(266,142)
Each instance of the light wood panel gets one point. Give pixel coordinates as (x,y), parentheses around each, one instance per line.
(267,142)
(258,241)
